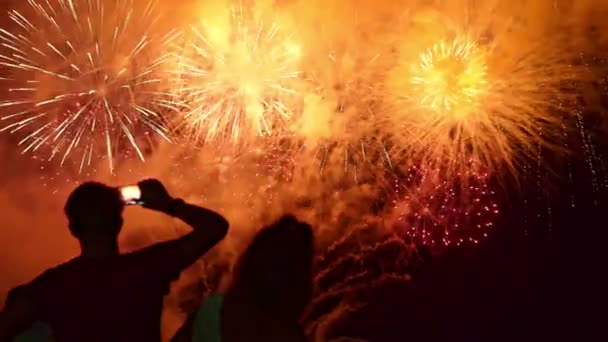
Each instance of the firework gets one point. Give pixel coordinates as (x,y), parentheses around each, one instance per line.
(84,77)
(336,124)
(435,210)
(451,78)
(476,91)
(237,78)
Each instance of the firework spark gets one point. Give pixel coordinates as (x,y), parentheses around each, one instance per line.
(433,210)
(84,76)
(237,78)
(493,96)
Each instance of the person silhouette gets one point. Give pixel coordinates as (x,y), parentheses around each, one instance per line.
(268,294)
(103,295)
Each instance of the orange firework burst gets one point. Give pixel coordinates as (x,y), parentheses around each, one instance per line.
(489,94)
(84,76)
(237,78)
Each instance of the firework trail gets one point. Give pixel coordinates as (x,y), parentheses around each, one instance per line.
(84,75)
(492,90)
(237,76)
(346,277)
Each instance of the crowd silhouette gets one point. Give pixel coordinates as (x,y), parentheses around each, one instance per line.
(103,295)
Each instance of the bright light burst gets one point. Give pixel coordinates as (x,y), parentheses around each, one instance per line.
(238,79)
(84,75)
(495,97)
(451,77)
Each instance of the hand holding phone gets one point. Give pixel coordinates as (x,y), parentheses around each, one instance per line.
(154,195)
(131,195)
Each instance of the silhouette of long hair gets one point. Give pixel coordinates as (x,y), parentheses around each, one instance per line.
(275,272)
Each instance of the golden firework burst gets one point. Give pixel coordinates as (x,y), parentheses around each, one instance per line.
(460,100)
(451,76)
(237,79)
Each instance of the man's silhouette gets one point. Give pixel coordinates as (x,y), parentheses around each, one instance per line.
(102,295)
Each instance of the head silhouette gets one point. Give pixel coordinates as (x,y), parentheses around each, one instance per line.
(94,212)
(276,269)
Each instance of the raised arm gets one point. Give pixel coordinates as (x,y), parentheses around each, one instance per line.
(208,227)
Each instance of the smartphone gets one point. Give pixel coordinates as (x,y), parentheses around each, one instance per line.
(131,195)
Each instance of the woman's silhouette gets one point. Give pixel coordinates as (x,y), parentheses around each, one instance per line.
(270,290)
